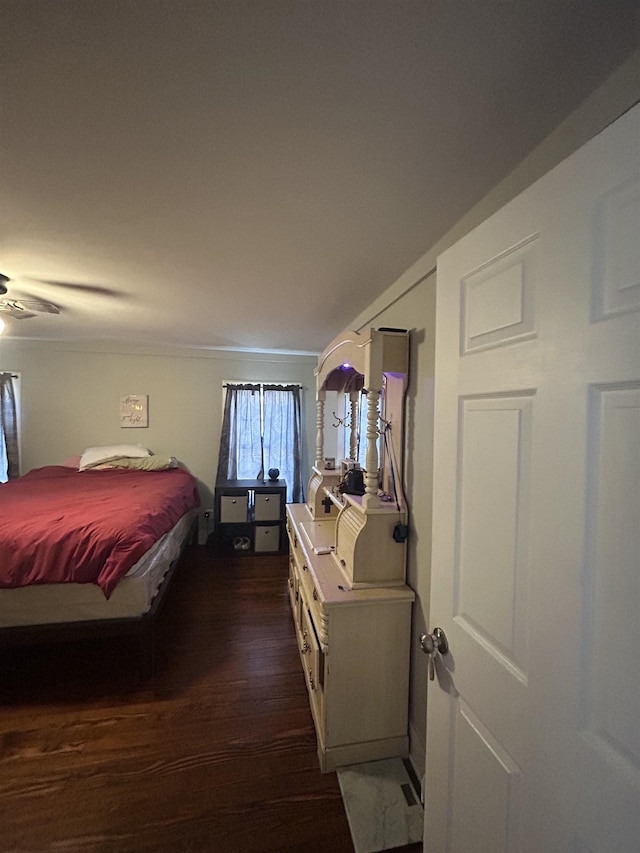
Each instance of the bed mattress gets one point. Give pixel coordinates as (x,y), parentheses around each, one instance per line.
(59,525)
(47,604)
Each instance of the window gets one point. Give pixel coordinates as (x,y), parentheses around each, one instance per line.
(360,429)
(9,407)
(261,430)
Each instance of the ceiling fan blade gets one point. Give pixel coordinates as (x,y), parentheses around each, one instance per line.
(96,289)
(38,306)
(16,313)
(23,309)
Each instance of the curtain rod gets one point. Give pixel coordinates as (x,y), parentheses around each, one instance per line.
(10,375)
(258,384)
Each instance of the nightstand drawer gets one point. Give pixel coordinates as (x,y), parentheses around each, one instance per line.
(267,507)
(233,508)
(267,538)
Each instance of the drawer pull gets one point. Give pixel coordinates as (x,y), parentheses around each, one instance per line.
(312,683)
(315,594)
(304,567)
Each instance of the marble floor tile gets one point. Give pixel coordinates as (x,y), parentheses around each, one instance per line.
(375,799)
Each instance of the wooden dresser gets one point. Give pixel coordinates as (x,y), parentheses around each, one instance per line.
(347,559)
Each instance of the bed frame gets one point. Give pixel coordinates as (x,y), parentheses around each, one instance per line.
(140,627)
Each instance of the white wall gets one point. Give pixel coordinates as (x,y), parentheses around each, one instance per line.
(70,399)
(410,303)
(416,312)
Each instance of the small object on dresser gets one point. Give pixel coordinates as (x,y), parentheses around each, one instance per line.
(352,482)
(274,473)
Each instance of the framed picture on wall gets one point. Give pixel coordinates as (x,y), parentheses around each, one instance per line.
(134,410)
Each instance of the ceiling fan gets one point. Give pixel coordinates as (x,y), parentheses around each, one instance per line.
(23,309)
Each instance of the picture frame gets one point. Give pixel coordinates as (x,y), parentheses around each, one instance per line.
(134,411)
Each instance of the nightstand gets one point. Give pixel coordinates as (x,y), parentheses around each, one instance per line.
(250,516)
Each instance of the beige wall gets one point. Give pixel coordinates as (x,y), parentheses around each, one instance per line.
(70,397)
(416,312)
(410,303)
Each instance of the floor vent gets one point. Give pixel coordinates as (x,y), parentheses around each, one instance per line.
(409,796)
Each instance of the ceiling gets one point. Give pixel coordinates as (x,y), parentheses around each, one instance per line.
(253,173)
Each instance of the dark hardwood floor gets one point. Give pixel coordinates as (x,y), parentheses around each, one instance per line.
(215,752)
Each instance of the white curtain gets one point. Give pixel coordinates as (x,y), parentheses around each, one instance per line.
(282,437)
(241,439)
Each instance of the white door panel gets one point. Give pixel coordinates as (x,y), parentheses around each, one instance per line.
(533,739)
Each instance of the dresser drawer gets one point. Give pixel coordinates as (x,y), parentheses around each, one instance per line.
(309,651)
(293,583)
(295,546)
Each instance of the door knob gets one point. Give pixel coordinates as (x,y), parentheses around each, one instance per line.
(432,645)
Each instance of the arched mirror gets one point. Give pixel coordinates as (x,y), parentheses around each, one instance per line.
(369,371)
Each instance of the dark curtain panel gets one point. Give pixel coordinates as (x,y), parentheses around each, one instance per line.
(9,425)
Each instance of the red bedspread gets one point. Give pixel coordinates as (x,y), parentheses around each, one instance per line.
(59,525)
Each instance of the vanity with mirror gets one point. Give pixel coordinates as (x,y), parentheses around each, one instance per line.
(347,556)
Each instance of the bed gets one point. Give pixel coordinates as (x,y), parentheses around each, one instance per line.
(91,548)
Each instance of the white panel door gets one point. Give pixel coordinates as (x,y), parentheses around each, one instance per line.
(533,723)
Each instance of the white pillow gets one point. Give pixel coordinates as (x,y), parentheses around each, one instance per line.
(97,455)
(146,463)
